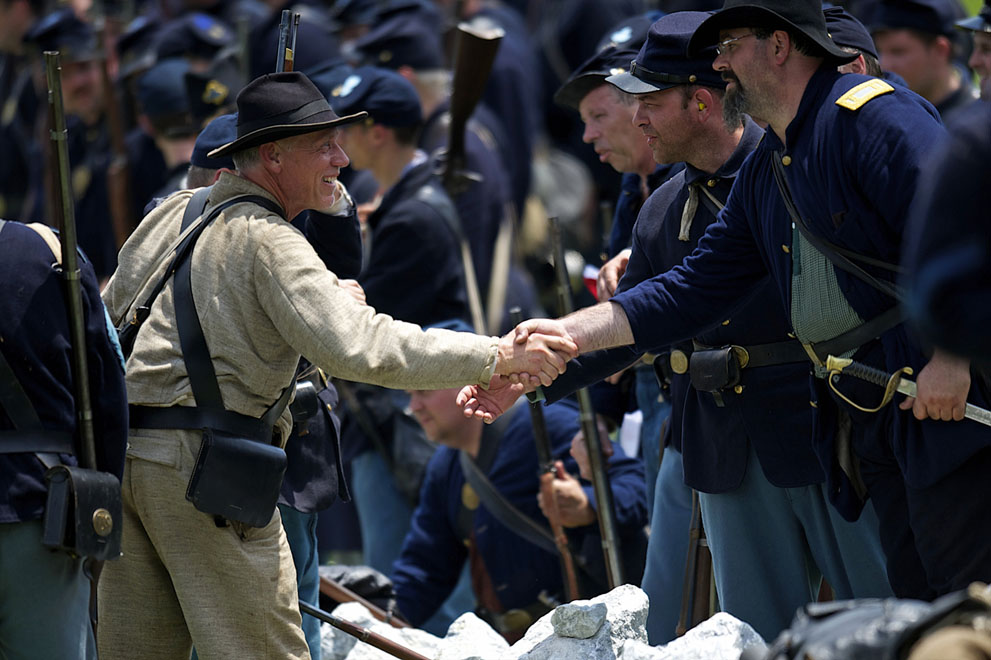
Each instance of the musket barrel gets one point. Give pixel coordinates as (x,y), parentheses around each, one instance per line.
(378,641)
(70,262)
(600,478)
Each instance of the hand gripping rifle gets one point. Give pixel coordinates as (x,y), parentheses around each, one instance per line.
(474,53)
(287,41)
(600,479)
(546,460)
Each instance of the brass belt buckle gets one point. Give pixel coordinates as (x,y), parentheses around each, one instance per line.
(742,356)
(810,350)
(679,362)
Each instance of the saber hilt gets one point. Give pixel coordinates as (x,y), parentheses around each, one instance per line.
(846,366)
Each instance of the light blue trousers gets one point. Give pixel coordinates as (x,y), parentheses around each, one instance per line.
(667,549)
(44,599)
(384,516)
(301,532)
(772,546)
(655,411)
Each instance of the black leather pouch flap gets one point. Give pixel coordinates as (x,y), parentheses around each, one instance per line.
(237,478)
(714,369)
(82,512)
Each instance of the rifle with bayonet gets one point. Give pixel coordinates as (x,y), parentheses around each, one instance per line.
(474,53)
(600,478)
(287,41)
(546,462)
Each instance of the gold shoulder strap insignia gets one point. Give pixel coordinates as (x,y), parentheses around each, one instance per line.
(863,93)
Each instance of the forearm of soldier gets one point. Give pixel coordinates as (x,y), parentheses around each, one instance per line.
(598,327)
(350,340)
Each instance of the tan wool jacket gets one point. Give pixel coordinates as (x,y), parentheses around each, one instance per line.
(264,298)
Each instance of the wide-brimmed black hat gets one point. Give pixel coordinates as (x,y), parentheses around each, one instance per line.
(804,16)
(280,105)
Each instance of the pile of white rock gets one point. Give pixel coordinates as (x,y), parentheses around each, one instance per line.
(609,627)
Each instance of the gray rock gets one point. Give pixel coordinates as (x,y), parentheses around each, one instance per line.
(470,638)
(336,644)
(721,637)
(579,619)
(626,617)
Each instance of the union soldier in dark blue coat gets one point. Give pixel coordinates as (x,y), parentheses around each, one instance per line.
(949,245)
(514,581)
(43,594)
(746,440)
(841,143)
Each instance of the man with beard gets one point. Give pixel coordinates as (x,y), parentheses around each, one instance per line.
(840,144)
(767,519)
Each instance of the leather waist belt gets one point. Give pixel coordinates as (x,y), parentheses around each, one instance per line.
(53,442)
(186,417)
(764,355)
(855,338)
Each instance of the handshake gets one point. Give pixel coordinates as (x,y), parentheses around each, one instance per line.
(534,353)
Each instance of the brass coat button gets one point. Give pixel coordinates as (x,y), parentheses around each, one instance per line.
(786,161)
(679,362)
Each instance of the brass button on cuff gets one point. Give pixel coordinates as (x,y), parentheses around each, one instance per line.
(679,362)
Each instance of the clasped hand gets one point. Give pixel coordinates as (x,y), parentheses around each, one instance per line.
(534,353)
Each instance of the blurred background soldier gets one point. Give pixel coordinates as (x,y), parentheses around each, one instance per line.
(980,58)
(917,40)
(514,581)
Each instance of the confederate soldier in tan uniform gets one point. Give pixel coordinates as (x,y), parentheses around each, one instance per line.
(263,298)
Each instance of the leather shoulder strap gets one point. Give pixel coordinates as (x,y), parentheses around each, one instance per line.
(840,257)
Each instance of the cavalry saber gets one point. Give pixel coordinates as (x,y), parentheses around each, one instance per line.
(378,641)
(891,383)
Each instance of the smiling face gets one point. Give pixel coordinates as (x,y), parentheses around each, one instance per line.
(311,164)
(980,62)
(610,130)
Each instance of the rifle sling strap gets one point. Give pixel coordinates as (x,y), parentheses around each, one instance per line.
(840,257)
(504,510)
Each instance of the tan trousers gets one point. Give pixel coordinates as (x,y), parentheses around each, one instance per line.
(183,581)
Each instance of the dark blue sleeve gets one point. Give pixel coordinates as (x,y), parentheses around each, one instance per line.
(336,239)
(696,294)
(948,246)
(430,563)
(414,271)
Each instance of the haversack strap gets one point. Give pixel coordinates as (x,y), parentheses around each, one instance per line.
(839,256)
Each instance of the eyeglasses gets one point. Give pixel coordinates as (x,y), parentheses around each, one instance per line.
(722,48)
